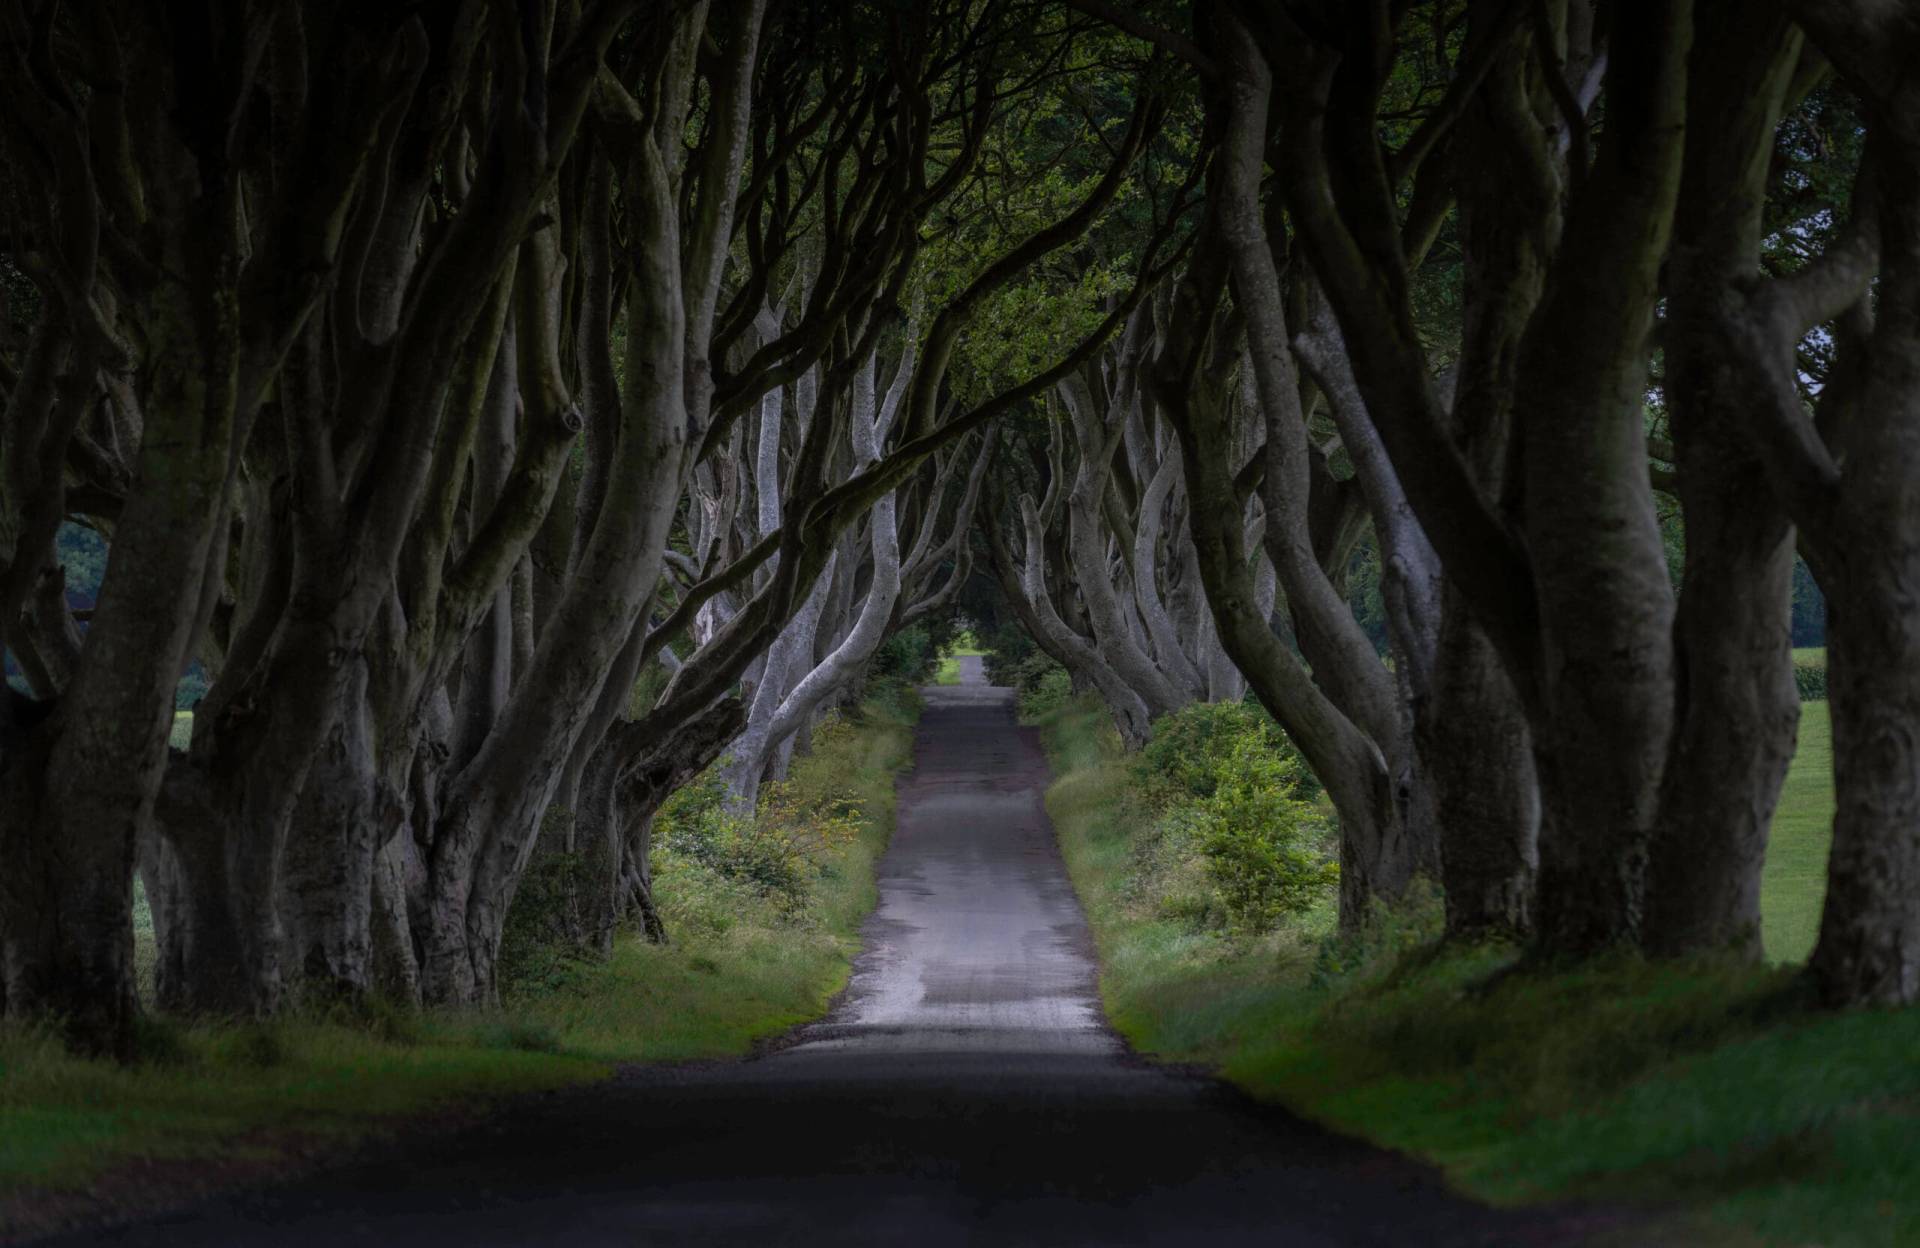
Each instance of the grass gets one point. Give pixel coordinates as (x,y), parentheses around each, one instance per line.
(1710,1099)
(948,673)
(1794,883)
(740,969)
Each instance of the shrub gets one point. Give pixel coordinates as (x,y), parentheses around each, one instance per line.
(1265,848)
(1191,749)
(1007,647)
(1051,689)
(1242,843)
(779,853)
(1040,685)
(910,655)
(891,698)
(1810,678)
(253,1046)
(537,952)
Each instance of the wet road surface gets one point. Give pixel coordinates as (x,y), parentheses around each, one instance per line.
(965,1092)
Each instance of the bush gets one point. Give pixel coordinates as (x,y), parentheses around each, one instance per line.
(889,697)
(910,655)
(776,855)
(1810,678)
(1007,647)
(1050,690)
(537,953)
(1240,843)
(1191,749)
(1040,685)
(1265,849)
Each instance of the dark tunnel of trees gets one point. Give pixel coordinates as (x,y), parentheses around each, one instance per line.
(501,412)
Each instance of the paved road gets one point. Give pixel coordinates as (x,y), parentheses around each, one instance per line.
(965,1092)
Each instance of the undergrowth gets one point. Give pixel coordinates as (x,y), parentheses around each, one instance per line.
(1710,1102)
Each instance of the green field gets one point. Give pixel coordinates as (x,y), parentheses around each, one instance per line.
(1710,1090)
(1795,880)
(740,968)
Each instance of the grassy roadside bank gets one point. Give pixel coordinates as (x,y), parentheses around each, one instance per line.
(764,918)
(1710,1096)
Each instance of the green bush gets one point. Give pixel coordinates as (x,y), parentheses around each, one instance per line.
(1265,849)
(1810,678)
(1191,749)
(1006,649)
(1235,840)
(1052,690)
(778,853)
(696,827)
(536,951)
(1040,685)
(910,655)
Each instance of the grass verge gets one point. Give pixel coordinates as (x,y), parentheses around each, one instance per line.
(741,967)
(1710,1096)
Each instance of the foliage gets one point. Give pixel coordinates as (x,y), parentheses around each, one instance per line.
(535,951)
(1810,674)
(82,553)
(1044,687)
(1265,849)
(908,655)
(1236,843)
(778,853)
(1190,748)
(1006,648)
(1364,592)
(1040,685)
(1809,607)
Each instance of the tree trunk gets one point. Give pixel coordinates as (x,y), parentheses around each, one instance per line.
(78,779)
(1605,712)
(1869,948)
(1480,762)
(1737,704)
(333,841)
(493,811)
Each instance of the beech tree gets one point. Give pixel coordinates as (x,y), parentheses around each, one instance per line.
(515,408)
(192,197)
(1560,693)
(490,276)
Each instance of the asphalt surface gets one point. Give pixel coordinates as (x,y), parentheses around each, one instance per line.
(965,1091)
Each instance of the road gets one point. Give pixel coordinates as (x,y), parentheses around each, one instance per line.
(965,1091)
